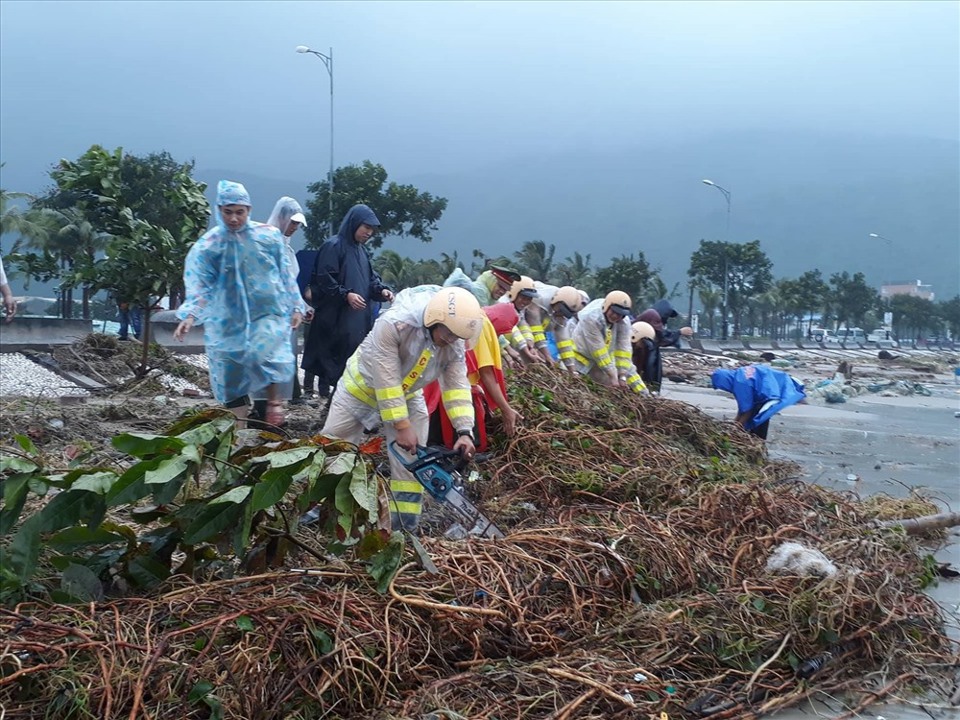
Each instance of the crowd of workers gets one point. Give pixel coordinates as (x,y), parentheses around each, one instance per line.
(430,366)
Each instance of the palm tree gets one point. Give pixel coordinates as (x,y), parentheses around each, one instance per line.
(710,299)
(535,259)
(575,270)
(449,263)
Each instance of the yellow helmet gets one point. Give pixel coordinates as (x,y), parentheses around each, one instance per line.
(524,286)
(457,310)
(618,301)
(567,301)
(641,330)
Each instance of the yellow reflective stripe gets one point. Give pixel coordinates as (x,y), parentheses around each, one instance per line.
(354,383)
(621,353)
(406,508)
(418,369)
(581,358)
(605,361)
(636,383)
(394,414)
(389,393)
(566,354)
(455,394)
(411,486)
(565,344)
(537,328)
(459,411)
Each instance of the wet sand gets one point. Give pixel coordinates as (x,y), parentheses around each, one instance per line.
(915,441)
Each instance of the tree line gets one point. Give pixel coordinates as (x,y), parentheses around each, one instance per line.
(122,223)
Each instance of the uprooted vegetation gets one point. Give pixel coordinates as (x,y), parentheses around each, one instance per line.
(633,579)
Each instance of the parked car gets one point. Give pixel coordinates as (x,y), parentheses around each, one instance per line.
(822,335)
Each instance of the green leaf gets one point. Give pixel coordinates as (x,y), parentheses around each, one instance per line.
(283,458)
(169,469)
(147,571)
(759,604)
(130,487)
(234,495)
(26,443)
(14,496)
(70,508)
(38,485)
(212,520)
(21,556)
(143,444)
(345,504)
(81,582)
(96,482)
(72,538)
(386,562)
(209,431)
(322,640)
(272,487)
(200,690)
(364,488)
(245,623)
(17,464)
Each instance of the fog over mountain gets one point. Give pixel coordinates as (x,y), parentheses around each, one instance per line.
(812,199)
(589,125)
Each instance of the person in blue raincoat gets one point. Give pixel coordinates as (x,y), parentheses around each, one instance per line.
(241,286)
(761,392)
(345,291)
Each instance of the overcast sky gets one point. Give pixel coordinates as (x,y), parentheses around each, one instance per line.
(427,87)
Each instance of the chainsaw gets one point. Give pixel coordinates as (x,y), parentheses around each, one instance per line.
(440,470)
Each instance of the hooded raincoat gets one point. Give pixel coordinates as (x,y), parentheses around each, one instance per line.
(761,392)
(602,350)
(343,266)
(383,384)
(280,218)
(241,286)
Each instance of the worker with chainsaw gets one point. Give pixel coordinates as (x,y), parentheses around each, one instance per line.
(420,338)
(550,311)
(602,342)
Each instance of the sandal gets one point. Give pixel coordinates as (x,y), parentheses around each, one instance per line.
(275,415)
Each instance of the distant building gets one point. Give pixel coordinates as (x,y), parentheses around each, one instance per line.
(918,289)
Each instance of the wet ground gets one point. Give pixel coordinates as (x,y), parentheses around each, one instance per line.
(870,445)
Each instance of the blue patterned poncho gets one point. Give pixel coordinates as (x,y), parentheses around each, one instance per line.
(242,286)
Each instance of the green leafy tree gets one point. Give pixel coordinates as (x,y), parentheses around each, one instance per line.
(743,268)
(812,293)
(535,259)
(949,311)
(575,270)
(913,316)
(402,272)
(628,273)
(851,298)
(449,263)
(143,261)
(403,210)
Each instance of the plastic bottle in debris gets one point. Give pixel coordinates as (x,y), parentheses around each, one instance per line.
(811,666)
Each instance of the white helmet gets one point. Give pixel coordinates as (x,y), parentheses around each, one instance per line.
(567,301)
(457,310)
(640,330)
(524,286)
(618,301)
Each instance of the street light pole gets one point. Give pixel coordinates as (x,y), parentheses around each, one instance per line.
(726,272)
(328,64)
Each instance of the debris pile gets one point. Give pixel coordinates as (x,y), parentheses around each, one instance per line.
(633,581)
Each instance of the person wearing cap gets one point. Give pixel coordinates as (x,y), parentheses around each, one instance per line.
(602,342)
(761,392)
(241,285)
(422,337)
(344,288)
(287,217)
(657,316)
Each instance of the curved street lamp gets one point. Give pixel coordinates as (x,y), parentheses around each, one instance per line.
(328,64)
(726,196)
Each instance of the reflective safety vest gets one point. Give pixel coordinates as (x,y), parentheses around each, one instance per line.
(598,344)
(396,360)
